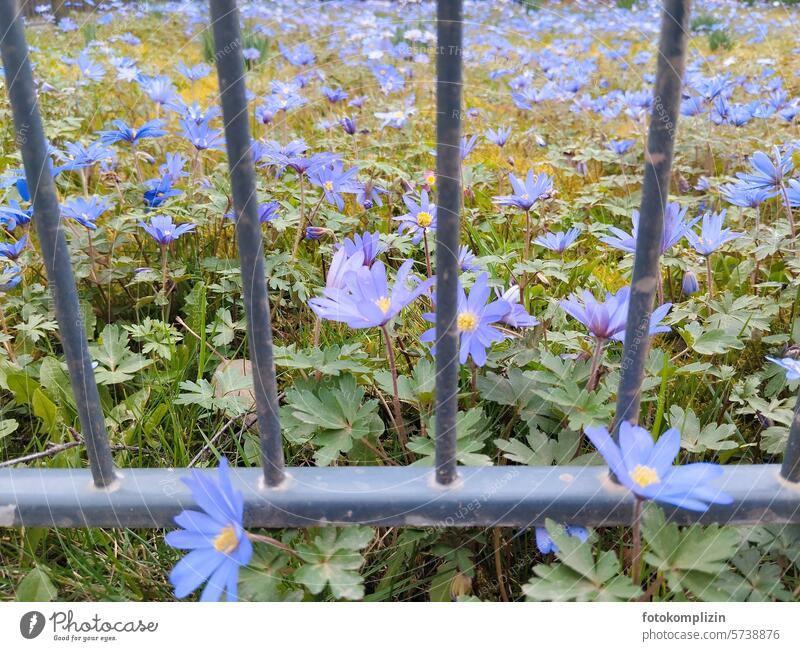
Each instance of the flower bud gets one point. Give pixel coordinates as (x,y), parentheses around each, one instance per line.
(690,285)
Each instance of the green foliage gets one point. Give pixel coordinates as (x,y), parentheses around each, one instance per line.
(694,560)
(582,574)
(36,586)
(332,558)
(116,362)
(471,435)
(331,416)
(720,38)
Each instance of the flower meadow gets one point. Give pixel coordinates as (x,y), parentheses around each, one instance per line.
(557,99)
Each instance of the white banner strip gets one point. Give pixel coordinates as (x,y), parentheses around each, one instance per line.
(397,626)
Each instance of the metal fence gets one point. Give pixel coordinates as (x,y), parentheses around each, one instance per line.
(277,496)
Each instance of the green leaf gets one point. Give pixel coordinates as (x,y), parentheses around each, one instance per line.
(264,578)
(331,415)
(45,409)
(36,586)
(8,426)
(117,363)
(581,575)
(695,439)
(332,559)
(471,434)
(692,559)
(541,450)
(710,342)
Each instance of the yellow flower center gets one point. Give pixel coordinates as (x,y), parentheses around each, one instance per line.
(467,322)
(525,196)
(329,185)
(384,304)
(424,218)
(644,476)
(226,542)
(399,115)
(430,179)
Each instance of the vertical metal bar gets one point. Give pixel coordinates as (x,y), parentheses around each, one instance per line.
(655,189)
(31,141)
(448,206)
(791,458)
(230,69)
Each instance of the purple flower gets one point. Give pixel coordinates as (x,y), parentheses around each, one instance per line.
(333,181)
(124,133)
(517,316)
(619,147)
(12,250)
(266,212)
(790,365)
(10,277)
(368,194)
(366,300)
(712,235)
(341,264)
(334,95)
(742,195)
(466,259)
(215,535)
(195,73)
(164,231)
(499,137)
(201,135)
(85,211)
(173,167)
(603,320)
(608,320)
(689,284)
(467,145)
(421,220)
(368,243)
(558,242)
(768,173)
(159,89)
(528,193)
(348,124)
(474,321)
(79,155)
(545,544)
(251,54)
(13,215)
(159,191)
(646,468)
(674,230)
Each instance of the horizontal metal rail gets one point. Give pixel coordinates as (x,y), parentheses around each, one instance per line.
(507,496)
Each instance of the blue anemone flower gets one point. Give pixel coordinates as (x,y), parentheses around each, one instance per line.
(366,300)
(162,229)
(421,220)
(545,544)
(12,250)
(201,135)
(369,243)
(712,235)
(646,468)
(474,321)
(85,211)
(675,228)
(215,535)
(790,365)
(159,191)
(558,242)
(768,173)
(528,193)
(124,133)
(498,137)
(466,259)
(10,277)
(334,181)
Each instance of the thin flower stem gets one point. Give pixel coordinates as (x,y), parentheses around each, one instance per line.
(164,271)
(527,235)
(787,204)
(269,540)
(301,227)
(401,428)
(636,553)
(710,275)
(9,349)
(427,253)
(594,373)
(137,164)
